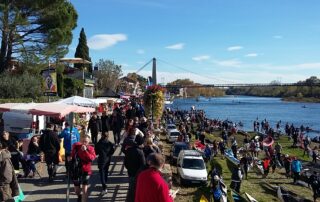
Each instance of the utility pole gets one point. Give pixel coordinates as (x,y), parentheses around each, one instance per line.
(154,71)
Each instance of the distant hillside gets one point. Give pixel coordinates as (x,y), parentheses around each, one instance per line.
(310,93)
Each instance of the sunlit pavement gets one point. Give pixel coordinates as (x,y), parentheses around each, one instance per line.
(39,189)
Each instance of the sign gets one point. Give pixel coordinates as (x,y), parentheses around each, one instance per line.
(50,81)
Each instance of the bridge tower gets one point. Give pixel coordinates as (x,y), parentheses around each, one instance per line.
(154,71)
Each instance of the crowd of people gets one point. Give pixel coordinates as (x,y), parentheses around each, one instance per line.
(143,153)
(132,131)
(195,123)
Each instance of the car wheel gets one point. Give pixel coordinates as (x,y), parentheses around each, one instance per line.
(204,184)
(182,181)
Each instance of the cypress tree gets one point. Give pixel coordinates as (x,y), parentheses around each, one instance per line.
(82,51)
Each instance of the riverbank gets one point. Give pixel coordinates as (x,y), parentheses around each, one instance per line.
(262,189)
(301,99)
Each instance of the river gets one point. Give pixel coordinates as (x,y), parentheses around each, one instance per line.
(248,108)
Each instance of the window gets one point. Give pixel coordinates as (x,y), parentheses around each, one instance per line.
(174,134)
(196,164)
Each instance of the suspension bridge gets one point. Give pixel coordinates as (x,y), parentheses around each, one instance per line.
(226,84)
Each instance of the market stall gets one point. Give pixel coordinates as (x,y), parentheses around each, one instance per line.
(80,101)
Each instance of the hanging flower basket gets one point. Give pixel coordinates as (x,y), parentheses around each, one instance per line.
(154,101)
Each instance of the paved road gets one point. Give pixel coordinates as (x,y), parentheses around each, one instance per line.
(38,189)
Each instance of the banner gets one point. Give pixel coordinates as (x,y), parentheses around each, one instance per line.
(50,81)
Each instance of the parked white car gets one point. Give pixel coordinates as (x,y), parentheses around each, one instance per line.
(170,126)
(173,135)
(191,167)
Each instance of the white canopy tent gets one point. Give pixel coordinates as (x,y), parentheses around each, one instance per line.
(47,109)
(80,101)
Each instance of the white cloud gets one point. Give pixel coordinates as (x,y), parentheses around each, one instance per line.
(201,58)
(178,46)
(234,48)
(315,65)
(228,63)
(277,37)
(251,55)
(102,41)
(140,51)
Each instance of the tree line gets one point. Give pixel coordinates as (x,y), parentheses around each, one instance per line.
(311,89)
(195,92)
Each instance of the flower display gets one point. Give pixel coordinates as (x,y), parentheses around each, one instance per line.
(154,101)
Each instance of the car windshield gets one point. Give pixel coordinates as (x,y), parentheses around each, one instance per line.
(174,134)
(171,127)
(196,164)
(177,149)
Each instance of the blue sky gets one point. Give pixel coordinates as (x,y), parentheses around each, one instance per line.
(208,41)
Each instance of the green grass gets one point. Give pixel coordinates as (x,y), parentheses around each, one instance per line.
(256,186)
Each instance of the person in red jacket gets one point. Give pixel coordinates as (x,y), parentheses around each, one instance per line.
(150,185)
(85,154)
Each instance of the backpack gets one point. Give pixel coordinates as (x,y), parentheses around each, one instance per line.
(75,166)
(217,193)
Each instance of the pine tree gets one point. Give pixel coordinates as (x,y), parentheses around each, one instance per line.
(82,51)
(35,28)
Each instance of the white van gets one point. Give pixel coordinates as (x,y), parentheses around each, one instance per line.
(22,125)
(191,167)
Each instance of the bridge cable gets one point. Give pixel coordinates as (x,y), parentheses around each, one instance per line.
(208,77)
(141,68)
